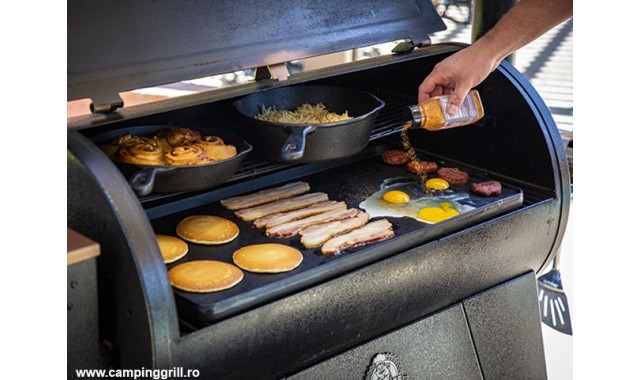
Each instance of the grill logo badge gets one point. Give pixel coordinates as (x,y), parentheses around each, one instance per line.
(384,366)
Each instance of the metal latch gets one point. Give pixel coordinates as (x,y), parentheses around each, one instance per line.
(106,103)
(278,71)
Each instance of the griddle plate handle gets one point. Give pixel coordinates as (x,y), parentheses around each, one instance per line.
(293,147)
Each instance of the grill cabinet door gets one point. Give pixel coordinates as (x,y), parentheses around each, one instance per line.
(437,347)
(493,335)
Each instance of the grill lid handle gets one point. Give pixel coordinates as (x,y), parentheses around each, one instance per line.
(106,103)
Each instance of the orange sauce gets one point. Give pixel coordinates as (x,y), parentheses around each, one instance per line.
(406,143)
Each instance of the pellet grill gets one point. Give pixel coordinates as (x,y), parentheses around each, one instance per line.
(453,300)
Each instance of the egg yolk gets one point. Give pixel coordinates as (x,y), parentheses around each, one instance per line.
(438,214)
(437,184)
(396,196)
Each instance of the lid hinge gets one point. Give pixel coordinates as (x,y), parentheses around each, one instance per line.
(277,71)
(106,103)
(424,43)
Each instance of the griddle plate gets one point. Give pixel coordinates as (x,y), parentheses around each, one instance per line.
(351,183)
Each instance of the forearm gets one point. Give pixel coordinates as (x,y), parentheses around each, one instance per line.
(525,22)
(467,68)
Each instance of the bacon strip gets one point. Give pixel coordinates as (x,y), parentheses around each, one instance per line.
(281,206)
(273,220)
(292,228)
(265,196)
(374,231)
(313,236)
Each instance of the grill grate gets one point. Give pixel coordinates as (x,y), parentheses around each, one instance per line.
(389,120)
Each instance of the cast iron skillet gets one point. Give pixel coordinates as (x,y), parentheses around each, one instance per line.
(145,179)
(302,143)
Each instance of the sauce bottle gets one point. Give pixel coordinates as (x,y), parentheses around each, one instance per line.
(432,114)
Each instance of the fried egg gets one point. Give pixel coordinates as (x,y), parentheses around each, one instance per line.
(396,196)
(404,197)
(435,214)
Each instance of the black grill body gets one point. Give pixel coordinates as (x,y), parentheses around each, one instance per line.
(467,289)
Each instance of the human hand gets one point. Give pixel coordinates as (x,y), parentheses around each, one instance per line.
(457,75)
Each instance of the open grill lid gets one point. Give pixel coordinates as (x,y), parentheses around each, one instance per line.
(116,46)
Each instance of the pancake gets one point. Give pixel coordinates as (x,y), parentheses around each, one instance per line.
(204,276)
(207,229)
(172,248)
(267,258)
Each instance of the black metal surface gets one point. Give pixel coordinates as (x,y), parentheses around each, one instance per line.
(300,143)
(119,46)
(438,347)
(350,183)
(506,331)
(145,179)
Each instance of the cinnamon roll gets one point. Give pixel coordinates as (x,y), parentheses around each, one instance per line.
(173,146)
(111,147)
(139,151)
(216,140)
(217,151)
(178,136)
(186,155)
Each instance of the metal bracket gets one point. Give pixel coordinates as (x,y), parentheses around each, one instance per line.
(278,71)
(106,104)
(424,43)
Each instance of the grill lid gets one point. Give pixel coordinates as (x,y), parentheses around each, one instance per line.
(116,46)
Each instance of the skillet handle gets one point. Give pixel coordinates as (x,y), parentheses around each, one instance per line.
(142,181)
(293,147)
